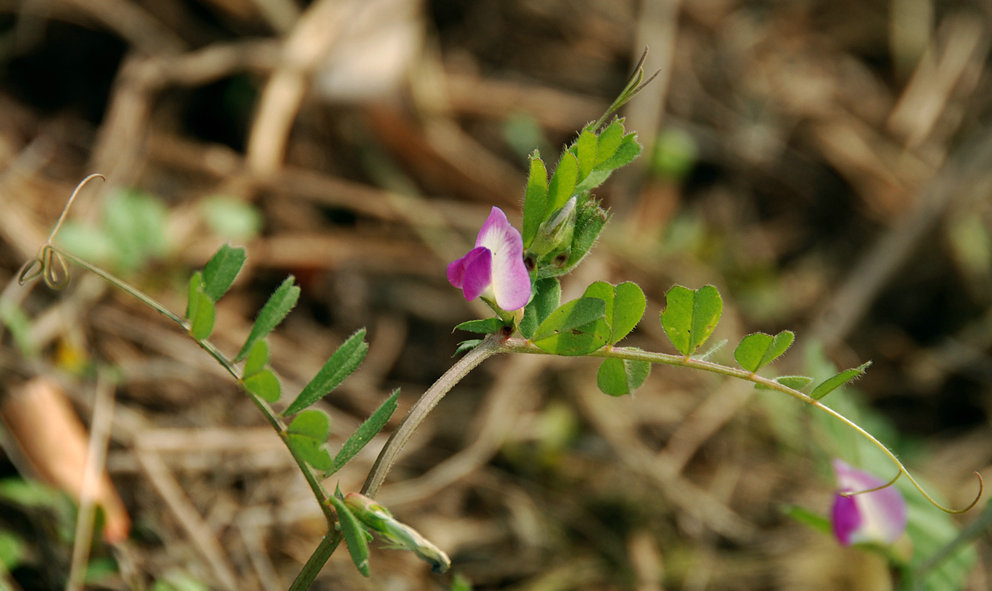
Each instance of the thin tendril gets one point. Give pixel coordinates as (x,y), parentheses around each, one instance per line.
(847,493)
(634,85)
(49,264)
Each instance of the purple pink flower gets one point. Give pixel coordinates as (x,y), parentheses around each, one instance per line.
(875,517)
(495,268)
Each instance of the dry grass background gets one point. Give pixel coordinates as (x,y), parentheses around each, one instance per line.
(840,189)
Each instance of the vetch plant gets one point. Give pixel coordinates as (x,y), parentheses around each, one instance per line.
(517,274)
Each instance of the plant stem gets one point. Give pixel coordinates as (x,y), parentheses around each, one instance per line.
(317,560)
(517,345)
(273,419)
(390,452)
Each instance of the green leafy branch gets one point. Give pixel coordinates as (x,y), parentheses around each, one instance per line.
(592,324)
(303,430)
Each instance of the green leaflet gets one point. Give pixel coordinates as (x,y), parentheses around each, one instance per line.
(272,313)
(575,328)
(547,296)
(365,432)
(759,349)
(617,377)
(691,316)
(221,270)
(307,435)
(836,381)
(342,363)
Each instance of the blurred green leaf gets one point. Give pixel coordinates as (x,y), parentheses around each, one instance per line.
(354,535)
(275,310)
(135,223)
(342,363)
(535,198)
(257,358)
(263,384)
(547,296)
(617,377)
(809,518)
(690,316)
(575,328)
(465,346)
(307,435)
(675,153)
(838,380)
(484,326)
(365,432)
(562,184)
(221,271)
(230,218)
(199,309)
(759,349)
(13,550)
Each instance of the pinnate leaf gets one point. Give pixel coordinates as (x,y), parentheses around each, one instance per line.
(342,363)
(575,328)
(832,383)
(273,312)
(365,432)
(263,384)
(690,316)
(221,271)
(535,199)
(759,349)
(354,535)
(307,435)
(617,377)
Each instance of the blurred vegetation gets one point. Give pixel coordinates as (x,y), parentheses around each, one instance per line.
(824,163)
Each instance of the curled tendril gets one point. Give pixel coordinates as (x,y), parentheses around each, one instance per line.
(922,491)
(49,264)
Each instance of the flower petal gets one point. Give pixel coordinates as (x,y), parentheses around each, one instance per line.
(882,514)
(472,273)
(846,519)
(510,280)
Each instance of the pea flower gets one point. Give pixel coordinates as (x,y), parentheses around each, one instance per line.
(878,516)
(495,268)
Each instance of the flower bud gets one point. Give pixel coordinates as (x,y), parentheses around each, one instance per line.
(556,231)
(378,518)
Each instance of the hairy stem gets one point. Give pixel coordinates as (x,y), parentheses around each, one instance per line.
(390,452)
(524,346)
